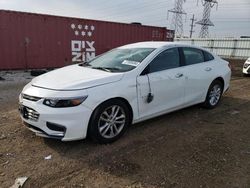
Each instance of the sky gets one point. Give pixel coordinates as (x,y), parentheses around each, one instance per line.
(231,18)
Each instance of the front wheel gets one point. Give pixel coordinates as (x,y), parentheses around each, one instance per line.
(213,95)
(109,121)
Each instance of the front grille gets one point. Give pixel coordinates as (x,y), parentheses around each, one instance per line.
(29,113)
(31,98)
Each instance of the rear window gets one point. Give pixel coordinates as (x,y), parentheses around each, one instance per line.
(208,56)
(193,56)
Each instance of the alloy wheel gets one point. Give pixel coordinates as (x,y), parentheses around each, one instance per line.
(215,95)
(111,121)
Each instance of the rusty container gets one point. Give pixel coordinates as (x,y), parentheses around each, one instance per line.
(35,41)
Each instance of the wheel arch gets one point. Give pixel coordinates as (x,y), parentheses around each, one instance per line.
(205,103)
(125,101)
(127,104)
(221,80)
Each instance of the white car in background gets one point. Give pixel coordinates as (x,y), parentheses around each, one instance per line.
(246,67)
(126,85)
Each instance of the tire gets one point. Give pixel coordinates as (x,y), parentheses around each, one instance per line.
(109,121)
(214,94)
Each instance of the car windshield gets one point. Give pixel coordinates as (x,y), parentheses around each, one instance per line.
(120,60)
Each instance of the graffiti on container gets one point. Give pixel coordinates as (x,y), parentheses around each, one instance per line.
(83,49)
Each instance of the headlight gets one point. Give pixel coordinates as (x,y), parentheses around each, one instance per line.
(62,103)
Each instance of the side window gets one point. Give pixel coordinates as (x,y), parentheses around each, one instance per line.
(208,56)
(166,60)
(193,56)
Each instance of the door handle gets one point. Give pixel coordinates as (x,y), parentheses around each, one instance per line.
(178,75)
(208,69)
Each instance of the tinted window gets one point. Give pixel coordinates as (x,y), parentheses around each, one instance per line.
(193,56)
(208,56)
(166,60)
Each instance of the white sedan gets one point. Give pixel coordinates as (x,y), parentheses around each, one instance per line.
(246,67)
(129,84)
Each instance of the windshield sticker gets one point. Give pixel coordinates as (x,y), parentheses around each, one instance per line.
(131,63)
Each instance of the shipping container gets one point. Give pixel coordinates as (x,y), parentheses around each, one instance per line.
(35,41)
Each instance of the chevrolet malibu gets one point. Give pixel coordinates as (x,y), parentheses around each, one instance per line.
(126,85)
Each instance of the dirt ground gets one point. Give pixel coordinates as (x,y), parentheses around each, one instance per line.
(193,148)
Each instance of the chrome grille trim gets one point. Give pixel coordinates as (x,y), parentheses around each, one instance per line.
(29,113)
(31,98)
(32,114)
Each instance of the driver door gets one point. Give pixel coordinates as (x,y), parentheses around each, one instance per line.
(164,78)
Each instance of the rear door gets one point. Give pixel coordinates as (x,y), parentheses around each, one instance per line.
(199,73)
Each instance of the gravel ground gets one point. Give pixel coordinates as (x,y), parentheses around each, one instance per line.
(193,147)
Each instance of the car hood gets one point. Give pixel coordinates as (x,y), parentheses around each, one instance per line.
(75,77)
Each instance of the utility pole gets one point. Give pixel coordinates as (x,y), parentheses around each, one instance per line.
(177,22)
(206,22)
(192,26)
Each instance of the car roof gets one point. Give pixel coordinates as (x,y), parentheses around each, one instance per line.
(155,44)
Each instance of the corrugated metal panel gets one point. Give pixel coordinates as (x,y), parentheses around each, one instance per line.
(228,48)
(42,41)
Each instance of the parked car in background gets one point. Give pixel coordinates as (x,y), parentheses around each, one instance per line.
(129,84)
(246,67)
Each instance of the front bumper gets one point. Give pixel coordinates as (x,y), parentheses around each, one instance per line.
(66,124)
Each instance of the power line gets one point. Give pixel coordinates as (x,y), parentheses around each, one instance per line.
(108,14)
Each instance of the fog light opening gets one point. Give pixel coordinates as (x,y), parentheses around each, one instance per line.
(56,127)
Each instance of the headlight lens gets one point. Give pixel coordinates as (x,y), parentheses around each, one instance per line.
(62,103)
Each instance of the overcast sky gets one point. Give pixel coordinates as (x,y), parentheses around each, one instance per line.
(232,18)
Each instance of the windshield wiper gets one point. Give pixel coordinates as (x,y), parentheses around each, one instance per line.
(85,64)
(107,69)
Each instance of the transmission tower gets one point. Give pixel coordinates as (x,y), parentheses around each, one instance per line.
(177,22)
(192,26)
(206,22)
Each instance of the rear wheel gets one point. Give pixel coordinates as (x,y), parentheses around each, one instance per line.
(213,95)
(109,121)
